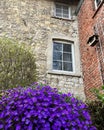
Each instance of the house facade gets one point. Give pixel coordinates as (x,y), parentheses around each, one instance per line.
(50,28)
(91,34)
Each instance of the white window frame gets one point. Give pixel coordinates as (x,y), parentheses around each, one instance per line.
(73,58)
(97,4)
(69,11)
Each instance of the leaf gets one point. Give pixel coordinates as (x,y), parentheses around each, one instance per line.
(102,87)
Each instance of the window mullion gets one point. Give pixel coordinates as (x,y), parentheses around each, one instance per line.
(72,51)
(69,13)
(62,58)
(62,12)
(67,57)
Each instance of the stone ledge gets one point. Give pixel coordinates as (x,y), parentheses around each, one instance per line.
(64,73)
(63,18)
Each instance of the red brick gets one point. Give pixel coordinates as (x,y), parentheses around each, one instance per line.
(91,57)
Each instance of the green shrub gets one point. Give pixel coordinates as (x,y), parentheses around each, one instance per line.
(96,109)
(99,93)
(17,65)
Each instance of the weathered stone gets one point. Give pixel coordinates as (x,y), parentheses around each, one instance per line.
(32,22)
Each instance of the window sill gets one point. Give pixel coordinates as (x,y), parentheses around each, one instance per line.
(63,73)
(67,19)
(100,5)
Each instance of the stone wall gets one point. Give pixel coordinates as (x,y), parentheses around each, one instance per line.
(32,22)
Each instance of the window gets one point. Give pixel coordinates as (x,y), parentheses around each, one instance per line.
(62,11)
(97,2)
(63,56)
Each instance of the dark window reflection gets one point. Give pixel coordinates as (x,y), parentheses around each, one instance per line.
(62,57)
(67,48)
(57,55)
(57,46)
(57,65)
(67,57)
(67,66)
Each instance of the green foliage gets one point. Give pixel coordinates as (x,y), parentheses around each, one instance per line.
(96,109)
(99,93)
(17,65)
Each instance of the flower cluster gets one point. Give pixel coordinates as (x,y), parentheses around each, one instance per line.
(42,108)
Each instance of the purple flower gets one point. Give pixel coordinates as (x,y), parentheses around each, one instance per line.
(1,126)
(42,108)
(18,127)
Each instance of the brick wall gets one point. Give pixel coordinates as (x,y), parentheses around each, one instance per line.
(99,24)
(91,57)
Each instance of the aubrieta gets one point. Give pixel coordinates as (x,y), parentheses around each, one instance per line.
(42,108)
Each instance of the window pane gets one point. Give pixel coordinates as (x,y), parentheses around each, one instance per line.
(62,56)
(57,65)
(67,66)
(65,15)
(66,11)
(67,57)
(67,48)
(65,7)
(58,14)
(57,56)
(58,10)
(58,6)
(57,46)
(62,11)
(98,2)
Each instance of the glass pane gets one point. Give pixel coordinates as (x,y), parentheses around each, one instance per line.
(58,6)
(57,55)
(57,46)
(98,2)
(67,57)
(65,15)
(58,14)
(57,65)
(67,48)
(67,66)
(65,7)
(65,12)
(58,10)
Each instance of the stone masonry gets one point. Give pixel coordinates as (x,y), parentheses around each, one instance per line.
(32,22)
